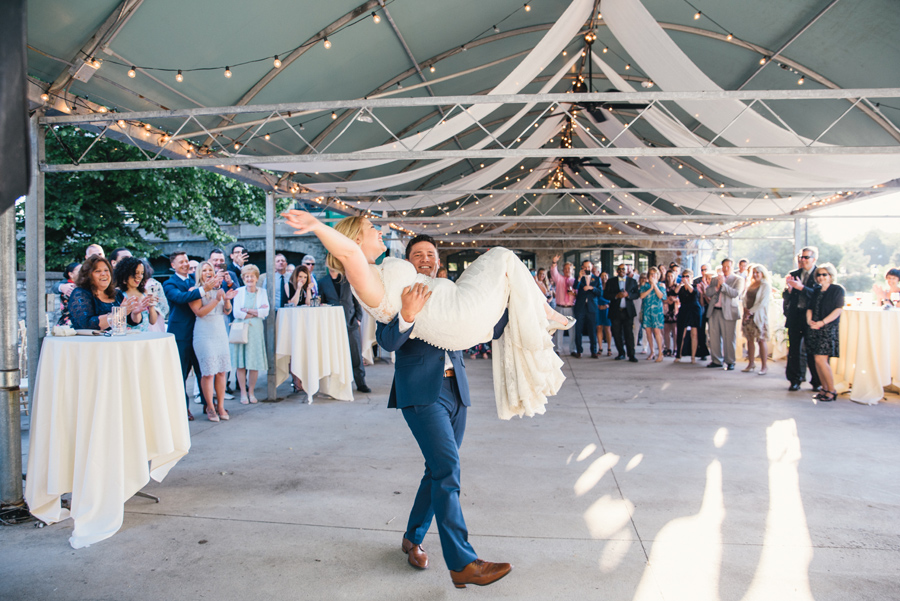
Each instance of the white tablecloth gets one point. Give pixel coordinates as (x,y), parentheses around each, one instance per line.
(103,408)
(870,353)
(312,343)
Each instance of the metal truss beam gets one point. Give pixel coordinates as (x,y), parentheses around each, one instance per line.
(562,191)
(499,153)
(376,103)
(604,217)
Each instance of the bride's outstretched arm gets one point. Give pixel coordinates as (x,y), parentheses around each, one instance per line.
(356,267)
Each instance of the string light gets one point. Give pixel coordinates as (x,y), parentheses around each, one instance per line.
(333,115)
(179,77)
(266,137)
(45,97)
(698,15)
(132,72)
(762,61)
(605,49)
(327,44)
(590,37)
(228,72)
(528,8)
(121,123)
(729,37)
(432,69)
(628,66)
(801,80)
(496,29)
(277,62)
(376,18)
(95,63)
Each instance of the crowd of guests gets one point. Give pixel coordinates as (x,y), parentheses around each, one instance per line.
(215,309)
(668,312)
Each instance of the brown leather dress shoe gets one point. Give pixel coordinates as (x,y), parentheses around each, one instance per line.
(480,573)
(416,555)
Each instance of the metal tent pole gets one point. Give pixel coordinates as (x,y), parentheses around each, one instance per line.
(10,426)
(271,393)
(35,282)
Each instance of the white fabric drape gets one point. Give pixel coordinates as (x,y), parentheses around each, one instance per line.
(664,62)
(550,47)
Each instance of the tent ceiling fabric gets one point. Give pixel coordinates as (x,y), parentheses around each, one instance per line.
(466,48)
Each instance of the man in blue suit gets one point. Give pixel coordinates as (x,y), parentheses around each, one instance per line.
(181,316)
(431,388)
(587,294)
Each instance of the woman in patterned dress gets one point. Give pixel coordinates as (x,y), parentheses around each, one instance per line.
(251,307)
(652,296)
(211,342)
(823,316)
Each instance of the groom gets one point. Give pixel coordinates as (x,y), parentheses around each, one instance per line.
(431,388)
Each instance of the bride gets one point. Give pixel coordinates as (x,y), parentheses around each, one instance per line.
(458,315)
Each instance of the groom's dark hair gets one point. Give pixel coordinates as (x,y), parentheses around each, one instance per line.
(416,240)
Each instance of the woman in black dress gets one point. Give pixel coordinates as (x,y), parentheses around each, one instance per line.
(823,317)
(670,315)
(690,314)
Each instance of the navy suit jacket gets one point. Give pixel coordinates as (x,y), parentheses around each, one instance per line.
(587,299)
(181,316)
(419,367)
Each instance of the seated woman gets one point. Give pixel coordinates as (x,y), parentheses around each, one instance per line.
(300,287)
(130,279)
(251,306)
(458,315)
(883,295)
(823,314)
(94,296)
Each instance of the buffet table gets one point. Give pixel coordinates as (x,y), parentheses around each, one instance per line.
(109,414)
(312,344)
(870,353)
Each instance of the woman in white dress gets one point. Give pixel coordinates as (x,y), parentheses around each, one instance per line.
(458,315)
(211,342)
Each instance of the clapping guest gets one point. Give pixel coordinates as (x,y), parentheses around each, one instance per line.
(300,287)
(251,307)
(883,295)
(670,314)
(130,277)
(153,287)
(211,341)
(94,296)
(823,316)
(653,293)
(755,322)
(64,289)
(690,314)
(543,283)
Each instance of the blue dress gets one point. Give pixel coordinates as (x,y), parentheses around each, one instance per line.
(652,307)
(603,314)
(86,309)
(253,354)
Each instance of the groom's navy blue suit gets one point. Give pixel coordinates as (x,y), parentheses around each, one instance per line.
(434,407)
(181,325)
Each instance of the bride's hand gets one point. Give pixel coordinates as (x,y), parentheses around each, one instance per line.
(301,221)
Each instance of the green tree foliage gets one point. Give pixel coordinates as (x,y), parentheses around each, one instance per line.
(874,245)
(116,208)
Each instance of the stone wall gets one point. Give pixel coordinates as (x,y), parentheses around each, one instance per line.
(21,301)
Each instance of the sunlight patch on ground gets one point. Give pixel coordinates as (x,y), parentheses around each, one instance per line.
(634,462)
(720,438)
(587,452)
(594,473)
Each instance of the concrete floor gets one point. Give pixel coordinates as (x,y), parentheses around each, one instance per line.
(649,481)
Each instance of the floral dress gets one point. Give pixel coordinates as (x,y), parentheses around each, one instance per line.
(652,307)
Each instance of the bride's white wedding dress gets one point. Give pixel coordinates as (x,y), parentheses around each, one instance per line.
(461,314)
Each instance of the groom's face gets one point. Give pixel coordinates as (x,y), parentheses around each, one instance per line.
(424,258)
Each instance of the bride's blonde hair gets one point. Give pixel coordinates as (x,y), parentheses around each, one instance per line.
(350,227)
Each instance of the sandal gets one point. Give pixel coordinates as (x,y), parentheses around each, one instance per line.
(224,415)
(211,415)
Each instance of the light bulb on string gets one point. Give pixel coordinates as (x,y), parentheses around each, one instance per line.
(121,123)
(179,77)
(628,66)
(801,81)
(266,137)
(762,61)
(95,63)
(605,49)
(528,8)
(376,17)
(333,115)
(729,37)
(277,62)
(496,29)
(327,44)
(698,15)
(45,97)
(432,69)
(132,72)
(228,72)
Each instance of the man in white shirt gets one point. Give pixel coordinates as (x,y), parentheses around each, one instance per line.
(431,389)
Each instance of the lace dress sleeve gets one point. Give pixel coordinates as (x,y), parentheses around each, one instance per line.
(82,310)
(395,275)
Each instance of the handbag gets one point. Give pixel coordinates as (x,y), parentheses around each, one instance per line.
(239,332)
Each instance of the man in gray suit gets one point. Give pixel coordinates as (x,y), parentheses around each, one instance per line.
(724,294)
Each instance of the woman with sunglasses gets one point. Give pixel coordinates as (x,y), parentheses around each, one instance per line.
(823,316)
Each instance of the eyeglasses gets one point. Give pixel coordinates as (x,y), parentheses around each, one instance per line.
(805,258)
(822,275)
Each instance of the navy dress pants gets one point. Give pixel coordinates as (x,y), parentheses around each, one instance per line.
(439,429)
